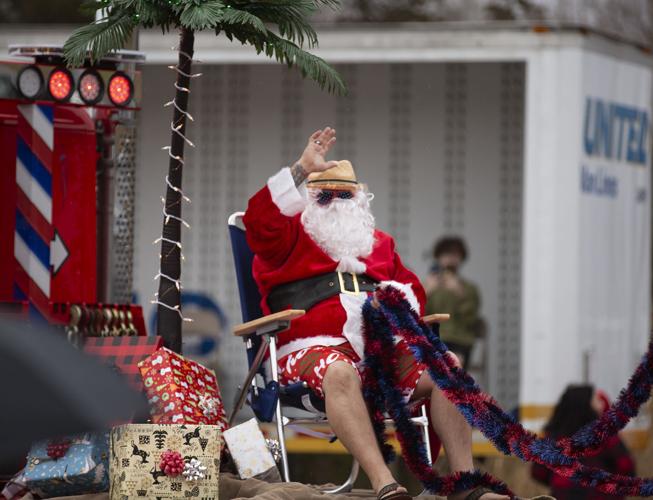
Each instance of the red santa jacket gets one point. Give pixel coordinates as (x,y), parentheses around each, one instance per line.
(284,253)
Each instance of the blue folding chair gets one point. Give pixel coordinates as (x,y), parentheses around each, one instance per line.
(267,397)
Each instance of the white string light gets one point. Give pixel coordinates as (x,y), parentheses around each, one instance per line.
(176,308)
(175,188)
(170,216)
(176,130)
(169,278)
(172,242)
(174,157)
(167,217)
(174,103)
(181,72)
(183,89)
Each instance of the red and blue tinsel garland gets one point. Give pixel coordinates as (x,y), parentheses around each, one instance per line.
(394,317)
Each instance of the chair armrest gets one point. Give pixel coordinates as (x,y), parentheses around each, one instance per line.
(436,318)
(269,323)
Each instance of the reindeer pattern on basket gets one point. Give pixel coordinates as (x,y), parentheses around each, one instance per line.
(134,443)
(192,435)
(156,474)
(140,453)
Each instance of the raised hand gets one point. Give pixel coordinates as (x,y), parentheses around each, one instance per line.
(319,144)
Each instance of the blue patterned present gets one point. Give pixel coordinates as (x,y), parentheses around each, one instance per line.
(83,469)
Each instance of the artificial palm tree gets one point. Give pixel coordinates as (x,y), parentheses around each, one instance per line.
(278,28)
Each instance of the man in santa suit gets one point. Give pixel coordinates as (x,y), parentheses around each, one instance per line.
(316,248)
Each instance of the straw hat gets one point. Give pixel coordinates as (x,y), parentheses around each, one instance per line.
(342,177)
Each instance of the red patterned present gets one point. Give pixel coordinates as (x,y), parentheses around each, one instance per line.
(181,391)
(124,353)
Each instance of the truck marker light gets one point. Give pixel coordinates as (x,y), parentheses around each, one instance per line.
(30,82)
(90,87)
(121,89)
(60,84)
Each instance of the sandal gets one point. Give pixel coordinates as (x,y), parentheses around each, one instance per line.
(384,493)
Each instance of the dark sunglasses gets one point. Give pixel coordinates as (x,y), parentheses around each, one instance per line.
(325,196)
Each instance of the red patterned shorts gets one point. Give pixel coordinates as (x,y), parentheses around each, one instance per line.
(309,365)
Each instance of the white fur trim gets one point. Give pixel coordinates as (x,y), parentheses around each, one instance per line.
(408,292)
(352,330)
(349,264)
(353,327)
(285,194)
(298,344)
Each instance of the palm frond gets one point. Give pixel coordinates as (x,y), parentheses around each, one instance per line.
(203,15)
(235,17)
(308,64)
(289,53)
(152,13)
(290,16)
(332,4)
(98,39)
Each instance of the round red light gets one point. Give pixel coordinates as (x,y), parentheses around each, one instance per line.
(60,84)
(120,89)
(90,87)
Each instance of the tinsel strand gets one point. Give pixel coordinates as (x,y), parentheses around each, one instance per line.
(380,388)
(396,318)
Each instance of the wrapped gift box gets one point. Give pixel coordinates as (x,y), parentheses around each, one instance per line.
(249,451)
(135,466)
(124,353)
(83,469)
(181,391)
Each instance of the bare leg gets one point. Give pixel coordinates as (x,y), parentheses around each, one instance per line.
(453,431)
(349,418)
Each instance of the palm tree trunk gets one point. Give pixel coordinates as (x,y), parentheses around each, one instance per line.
(169,320)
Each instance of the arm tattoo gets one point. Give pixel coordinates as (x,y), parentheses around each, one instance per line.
(298,174)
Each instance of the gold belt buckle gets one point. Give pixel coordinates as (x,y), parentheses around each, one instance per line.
(341,280)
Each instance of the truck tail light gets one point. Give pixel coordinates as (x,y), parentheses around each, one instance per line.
(30,82)
(90,87)
(60,84)
(121,89)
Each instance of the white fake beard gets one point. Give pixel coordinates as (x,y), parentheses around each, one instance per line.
(343,229)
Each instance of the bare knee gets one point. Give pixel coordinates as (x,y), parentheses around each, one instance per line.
(340,378)
(424,388)
(455,359)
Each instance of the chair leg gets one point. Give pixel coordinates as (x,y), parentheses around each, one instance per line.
(278,413)
(242,396)
(425,430)
(427,439)
(349,483)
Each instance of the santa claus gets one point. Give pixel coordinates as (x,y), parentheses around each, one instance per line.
(317,248)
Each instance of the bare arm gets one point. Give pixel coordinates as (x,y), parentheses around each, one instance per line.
(298,174)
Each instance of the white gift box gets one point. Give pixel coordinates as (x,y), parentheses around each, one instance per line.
(248,449)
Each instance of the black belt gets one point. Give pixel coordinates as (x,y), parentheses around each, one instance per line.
(304,294)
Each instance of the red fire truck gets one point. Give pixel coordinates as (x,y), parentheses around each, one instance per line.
(57,128)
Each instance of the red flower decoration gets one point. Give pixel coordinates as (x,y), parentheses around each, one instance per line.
(171,463)
(57,449)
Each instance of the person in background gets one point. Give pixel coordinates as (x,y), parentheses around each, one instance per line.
(448,292)
(578,406)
